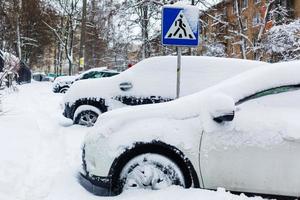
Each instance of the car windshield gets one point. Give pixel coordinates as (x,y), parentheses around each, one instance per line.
(271,91)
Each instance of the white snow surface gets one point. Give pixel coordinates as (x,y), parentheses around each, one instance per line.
(39,159)
(157,76)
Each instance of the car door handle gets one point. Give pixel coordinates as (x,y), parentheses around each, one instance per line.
(291,139)
(125,86)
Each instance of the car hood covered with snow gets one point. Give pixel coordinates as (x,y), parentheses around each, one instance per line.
(156,76)
(177,121)
(64,80)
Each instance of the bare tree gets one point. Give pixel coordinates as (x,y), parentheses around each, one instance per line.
(69,12)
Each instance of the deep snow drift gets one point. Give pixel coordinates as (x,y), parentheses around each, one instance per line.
(39,158)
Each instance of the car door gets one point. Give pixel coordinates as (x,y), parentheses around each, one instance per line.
(261,151)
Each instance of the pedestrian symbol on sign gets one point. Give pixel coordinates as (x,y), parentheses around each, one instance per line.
(180,29)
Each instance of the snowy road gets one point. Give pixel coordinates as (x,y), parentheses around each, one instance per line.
(39,158)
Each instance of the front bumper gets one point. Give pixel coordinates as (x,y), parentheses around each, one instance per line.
(67,111)
(97,185)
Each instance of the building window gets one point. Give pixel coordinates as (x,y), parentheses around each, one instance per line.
(256,19)
(244,4)
(245,23)
(257,1)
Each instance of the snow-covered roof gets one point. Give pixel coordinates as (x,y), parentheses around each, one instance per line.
(156,76)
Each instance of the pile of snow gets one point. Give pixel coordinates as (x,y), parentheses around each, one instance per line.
(177,193)
(157,77)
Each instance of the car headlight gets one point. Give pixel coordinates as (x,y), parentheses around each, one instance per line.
(56,85)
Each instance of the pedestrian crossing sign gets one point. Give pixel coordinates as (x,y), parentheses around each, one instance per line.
(180,25)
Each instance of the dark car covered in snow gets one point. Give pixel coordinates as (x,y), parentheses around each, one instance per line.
(152,80)
(63,83)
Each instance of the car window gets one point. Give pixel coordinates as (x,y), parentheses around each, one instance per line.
(109,74)
(86,76)
(97,75)
(271,91)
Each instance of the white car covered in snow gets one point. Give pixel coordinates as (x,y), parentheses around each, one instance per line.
(63,83)
(242,134)
(152,80)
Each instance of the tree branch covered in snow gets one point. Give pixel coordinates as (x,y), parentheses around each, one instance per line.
(282,42)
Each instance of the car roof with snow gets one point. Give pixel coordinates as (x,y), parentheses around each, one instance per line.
(156,76)
(72,78)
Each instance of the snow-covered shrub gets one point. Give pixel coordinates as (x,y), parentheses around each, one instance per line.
(282,42)
(216,50)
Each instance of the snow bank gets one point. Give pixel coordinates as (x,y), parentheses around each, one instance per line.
(177,193)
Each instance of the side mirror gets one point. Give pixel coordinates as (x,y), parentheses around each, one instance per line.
(222,108)
(224,118)
(125,86)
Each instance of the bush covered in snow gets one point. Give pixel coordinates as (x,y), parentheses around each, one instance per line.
(283,42)
(216,50)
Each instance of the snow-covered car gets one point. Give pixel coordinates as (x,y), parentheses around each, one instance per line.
(40,76)
(152,80)
(242,134)
(63,83)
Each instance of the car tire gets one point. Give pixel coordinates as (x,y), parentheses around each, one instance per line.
(63,90)
(86,118)
(150,171)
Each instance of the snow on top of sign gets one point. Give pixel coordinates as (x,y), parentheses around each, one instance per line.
(192,15)
(190,12)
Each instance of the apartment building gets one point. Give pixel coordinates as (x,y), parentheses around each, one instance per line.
(239,24)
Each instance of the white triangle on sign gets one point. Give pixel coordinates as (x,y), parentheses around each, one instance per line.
(180,29)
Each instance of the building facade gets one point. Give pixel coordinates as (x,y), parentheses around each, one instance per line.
(239,25)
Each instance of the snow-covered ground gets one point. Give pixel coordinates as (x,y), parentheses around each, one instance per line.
(40,158)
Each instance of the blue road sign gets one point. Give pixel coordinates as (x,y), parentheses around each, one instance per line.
(180,26)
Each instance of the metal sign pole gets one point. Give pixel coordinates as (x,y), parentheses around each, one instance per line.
(178,71)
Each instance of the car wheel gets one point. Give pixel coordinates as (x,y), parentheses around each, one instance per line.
(63,90)
(150,171)
(86,118)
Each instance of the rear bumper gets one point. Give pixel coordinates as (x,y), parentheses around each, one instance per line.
(97,185)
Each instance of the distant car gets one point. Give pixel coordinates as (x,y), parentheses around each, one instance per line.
(242,134)
(152,80)
(40,76)
(63,83)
